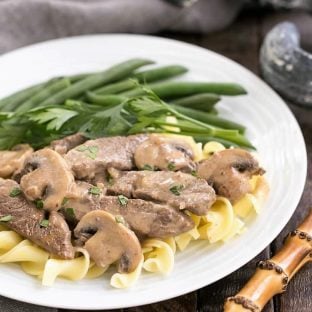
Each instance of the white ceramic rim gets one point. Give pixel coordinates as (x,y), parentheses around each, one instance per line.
(45,297)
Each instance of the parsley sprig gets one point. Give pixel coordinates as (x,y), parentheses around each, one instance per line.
(140,114)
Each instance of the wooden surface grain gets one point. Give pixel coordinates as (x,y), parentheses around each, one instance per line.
(241,42)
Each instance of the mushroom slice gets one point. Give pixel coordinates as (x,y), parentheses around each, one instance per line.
(163,153)
(46,176)
(229,171)
(107,240)
(11,161)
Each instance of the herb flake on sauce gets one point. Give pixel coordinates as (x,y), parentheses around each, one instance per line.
(94,190)
(44,223)
(39,203)
(70,212)
(176,189)
(15,192)
(120,219)
(6,218)
(171,166)
(148,167)
(90,151)
(123,200)
(64,201)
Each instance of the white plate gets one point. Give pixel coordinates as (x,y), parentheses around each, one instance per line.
(271,127)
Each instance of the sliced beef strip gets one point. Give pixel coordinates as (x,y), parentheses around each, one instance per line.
(144,218)
(90,160)
(11,161)
(177,189)
(164,153)
(26,218)
(62,146)
(229,172)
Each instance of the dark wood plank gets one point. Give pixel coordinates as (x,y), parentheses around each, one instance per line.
(211,298)
(9,305)
(62,310)
(239,42)
(186,303)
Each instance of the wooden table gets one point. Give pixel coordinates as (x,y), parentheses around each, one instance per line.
(240,42)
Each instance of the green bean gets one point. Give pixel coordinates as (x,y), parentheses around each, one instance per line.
(206,139)
(209,118)
(213,111)
(9,103)
(149,75)
(203,101)
(114,73)
(43,94)
(75,78)
(171,90)
(117,87)
(105,100)
(160,73)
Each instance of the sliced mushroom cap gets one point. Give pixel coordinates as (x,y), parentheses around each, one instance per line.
(11,161)
(107,241)
(229,172)
(163,153)
(46,176)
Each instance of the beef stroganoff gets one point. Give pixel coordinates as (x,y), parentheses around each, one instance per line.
(107,173)
(164,210)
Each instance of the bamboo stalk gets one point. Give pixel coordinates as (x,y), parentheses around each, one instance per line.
(272,276)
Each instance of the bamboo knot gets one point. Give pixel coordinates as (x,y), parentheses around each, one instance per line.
(245,303)
(301,235)
(270,265)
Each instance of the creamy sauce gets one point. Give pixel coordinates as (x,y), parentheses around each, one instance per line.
(12,161)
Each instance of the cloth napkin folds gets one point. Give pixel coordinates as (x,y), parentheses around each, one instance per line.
(23,22)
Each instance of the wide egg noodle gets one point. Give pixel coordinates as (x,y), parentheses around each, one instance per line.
(8,240)
(125,280)
(254,201)
(218,222)
(211,147)
(30,257)
(184,239)
(160,259)
(74,269)
(95,271)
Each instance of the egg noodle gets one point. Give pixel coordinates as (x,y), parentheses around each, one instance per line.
(223,222)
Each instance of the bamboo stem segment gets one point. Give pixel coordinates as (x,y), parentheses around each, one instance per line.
(272,276)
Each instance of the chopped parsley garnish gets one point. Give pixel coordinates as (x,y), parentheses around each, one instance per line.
(120,219)
(148,167)
(39,203)
(94,190)
(123,200)
(82,148)
(194,173)
(65,200)
(6,218)
(44,223)
(171,166)
(90,151)
(15,192)
(110,180)
(70,212)
(176,189)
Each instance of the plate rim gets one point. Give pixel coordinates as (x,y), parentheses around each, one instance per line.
(202,283)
